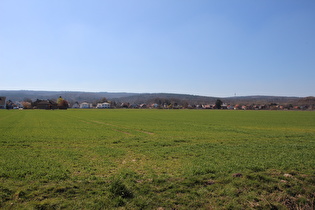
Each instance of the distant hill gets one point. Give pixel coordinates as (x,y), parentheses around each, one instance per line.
(261,100)
(73,96)
(193,99)
(307,101)
(149,98)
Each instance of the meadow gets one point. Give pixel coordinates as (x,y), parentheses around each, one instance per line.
(157,159)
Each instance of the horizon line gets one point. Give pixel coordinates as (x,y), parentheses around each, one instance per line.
(234,96)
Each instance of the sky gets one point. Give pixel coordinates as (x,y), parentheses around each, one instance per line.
(201,47)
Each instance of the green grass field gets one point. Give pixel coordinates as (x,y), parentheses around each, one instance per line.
(157,159)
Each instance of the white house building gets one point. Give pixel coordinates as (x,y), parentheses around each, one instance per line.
(85,105)
(103,106)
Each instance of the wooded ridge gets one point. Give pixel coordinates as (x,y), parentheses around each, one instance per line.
(139,98)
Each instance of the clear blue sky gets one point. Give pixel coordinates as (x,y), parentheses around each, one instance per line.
(201,47)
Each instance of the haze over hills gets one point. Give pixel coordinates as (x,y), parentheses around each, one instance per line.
(138,98)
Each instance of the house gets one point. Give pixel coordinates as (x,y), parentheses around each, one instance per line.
(44,104)
(296,107)
(103,105)
(256,107)
(76,105)
(155,106)
(85,105)
(230,107)
(224,106)
(143,106)
(2,102)
(237,107)
(18,105)
(198,106)
(134,106)
(207,106)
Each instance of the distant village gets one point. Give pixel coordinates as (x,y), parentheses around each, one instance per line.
(103,103)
